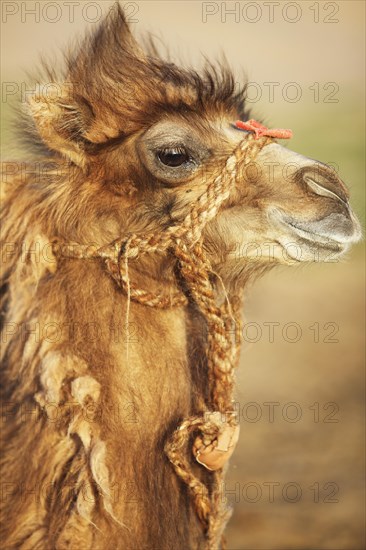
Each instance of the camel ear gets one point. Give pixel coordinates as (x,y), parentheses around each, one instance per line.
(62,120)
(84,108)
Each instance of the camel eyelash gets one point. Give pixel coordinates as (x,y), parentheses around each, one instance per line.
(174,157)
(174,150)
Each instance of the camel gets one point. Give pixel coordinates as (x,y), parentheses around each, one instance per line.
(126,247)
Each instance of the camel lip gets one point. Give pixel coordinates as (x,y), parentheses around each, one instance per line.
(307,233)
(316,238)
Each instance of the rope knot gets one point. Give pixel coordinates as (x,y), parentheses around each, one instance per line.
(218,440)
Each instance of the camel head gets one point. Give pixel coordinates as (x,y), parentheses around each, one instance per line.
(145,139)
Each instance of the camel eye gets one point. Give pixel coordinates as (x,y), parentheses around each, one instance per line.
(172,152)
(173,157)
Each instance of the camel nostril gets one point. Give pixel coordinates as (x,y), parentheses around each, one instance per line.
(325,183)
(323,190)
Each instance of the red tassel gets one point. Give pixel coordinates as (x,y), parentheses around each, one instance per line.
(260,130)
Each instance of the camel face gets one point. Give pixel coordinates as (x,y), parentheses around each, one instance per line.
(284,207)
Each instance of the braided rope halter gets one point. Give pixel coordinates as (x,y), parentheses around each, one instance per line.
(216,421)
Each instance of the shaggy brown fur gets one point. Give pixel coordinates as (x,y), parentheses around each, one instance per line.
(85,418)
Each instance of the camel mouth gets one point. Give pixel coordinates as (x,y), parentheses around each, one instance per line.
(333,233)
(322,240)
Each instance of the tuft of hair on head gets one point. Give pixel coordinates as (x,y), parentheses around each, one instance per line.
(111,88)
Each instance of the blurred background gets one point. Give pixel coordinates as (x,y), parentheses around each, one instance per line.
(296,480)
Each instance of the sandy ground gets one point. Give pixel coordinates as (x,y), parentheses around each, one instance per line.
(296,478)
